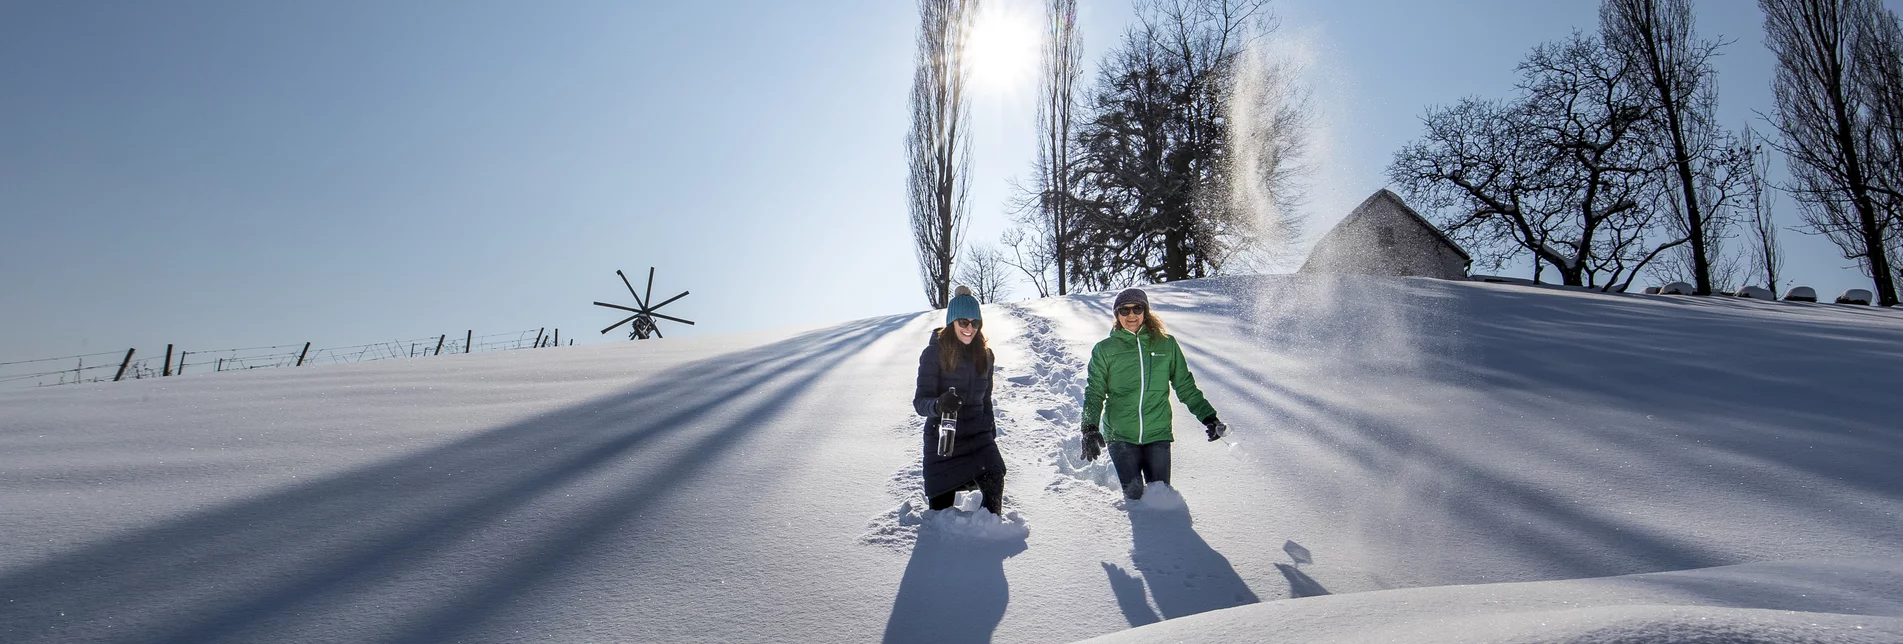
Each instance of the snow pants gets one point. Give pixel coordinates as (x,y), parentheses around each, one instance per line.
(990,483)
(1140,464)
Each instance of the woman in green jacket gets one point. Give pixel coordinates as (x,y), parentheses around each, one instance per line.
(1128,395)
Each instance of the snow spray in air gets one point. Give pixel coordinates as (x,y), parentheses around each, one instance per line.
(1271,125)
(1340,359)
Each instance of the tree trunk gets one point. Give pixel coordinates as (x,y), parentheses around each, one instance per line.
(1688,183)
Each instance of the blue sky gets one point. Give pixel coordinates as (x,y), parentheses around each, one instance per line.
(230,174)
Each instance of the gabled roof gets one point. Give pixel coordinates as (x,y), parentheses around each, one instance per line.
(1384,195)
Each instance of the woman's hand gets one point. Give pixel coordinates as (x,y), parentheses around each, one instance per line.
(948,401)
(1093,442)
(1215,428)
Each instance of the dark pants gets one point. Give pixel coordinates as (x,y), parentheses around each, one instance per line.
(990,483)
(1140,464)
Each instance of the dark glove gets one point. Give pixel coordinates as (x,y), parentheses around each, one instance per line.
(1215,428)
(947,401)
(1093,442)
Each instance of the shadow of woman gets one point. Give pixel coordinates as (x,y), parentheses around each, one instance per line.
(953,590)
(1184,574)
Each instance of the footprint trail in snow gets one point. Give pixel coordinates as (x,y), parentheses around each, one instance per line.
(1039,398)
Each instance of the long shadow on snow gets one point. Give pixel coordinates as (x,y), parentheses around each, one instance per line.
(224,573)
(953,590)
(1132,598)
(1299,583)
(1682,360)
(1607,351)
(1575,538)
(1184,574)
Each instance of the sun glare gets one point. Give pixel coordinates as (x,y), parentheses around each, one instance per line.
(1005,45)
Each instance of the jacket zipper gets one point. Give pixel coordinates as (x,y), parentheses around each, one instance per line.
(1143,386)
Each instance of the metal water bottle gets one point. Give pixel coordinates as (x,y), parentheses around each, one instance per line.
(947,428)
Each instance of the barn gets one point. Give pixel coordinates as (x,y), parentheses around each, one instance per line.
(1383,236)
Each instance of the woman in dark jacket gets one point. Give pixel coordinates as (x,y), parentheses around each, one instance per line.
(954,373)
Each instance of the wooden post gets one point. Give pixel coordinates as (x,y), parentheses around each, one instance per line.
(181,363)
(538,336)
(439,343)
(123,365)
(221,365)
(558,338)
(468,337)
(168,361)
(301,354)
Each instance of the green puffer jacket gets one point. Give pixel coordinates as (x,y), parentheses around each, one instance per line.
(1123,365)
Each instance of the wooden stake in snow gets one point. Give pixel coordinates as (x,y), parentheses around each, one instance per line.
(123,365)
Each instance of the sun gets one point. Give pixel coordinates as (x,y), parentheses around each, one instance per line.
(1005,46)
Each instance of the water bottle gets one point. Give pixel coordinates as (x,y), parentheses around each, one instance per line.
(947,428)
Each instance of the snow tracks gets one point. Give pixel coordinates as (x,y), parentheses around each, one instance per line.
(1039,399)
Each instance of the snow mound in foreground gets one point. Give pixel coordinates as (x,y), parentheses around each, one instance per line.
(1156,497)
(967,520)
(1795,601)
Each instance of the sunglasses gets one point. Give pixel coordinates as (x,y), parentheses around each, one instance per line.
(1134,309)
(964,323)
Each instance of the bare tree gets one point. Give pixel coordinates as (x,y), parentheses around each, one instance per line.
(1827,128)
(1031,255)
(1721,173)
(1879,54)
(1477,168)
(939,145)
(1674,66)
(1760,201)
(1565,172)
(983,269)
(1057,89)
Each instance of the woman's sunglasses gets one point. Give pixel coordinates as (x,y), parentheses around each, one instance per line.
(964,323)
(1130,310)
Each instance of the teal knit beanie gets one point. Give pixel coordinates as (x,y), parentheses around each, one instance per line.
(963,306)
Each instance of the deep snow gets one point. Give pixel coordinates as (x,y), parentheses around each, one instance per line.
(1416,460)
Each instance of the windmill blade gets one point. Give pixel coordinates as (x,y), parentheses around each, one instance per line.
(612,326)
(637,296)
(650,297)
(657,333)
(653,314)
(683,294)
(618,306)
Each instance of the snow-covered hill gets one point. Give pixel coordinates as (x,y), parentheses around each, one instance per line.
(1414,460)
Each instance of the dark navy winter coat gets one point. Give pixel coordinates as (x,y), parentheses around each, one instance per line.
(975,450)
